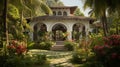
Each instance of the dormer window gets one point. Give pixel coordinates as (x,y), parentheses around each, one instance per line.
(59,13)
(64,13)
(54,13)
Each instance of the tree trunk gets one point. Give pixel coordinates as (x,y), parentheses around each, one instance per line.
(104,23)
(117,28)
(5,24)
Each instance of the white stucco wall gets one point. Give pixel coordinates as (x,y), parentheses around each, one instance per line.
(62,10)
(68,23)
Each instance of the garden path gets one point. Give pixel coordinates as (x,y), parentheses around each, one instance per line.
(56,58)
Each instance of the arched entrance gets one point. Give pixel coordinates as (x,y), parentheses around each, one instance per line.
(39,31)
(59,31)
(78,31)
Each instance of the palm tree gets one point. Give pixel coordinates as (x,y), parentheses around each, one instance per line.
(99,7)
(5,38)
(77,12)
(31,7)
(114,11)
(37,7)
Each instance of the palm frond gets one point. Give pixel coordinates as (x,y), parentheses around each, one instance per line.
(88,3)
(45,8)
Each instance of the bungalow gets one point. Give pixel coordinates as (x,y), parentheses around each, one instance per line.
(62,21)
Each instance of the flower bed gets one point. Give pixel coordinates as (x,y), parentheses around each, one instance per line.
(16,48)
(109,52)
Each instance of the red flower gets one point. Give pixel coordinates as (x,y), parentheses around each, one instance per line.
(16,48)
(98,48)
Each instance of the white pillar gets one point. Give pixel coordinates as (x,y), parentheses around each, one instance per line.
(49,30)
(69,30)
(31,35)
(87,27)
(70,35)
(31,32)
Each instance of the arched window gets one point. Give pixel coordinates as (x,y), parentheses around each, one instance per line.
(64,13)
(54,13)
(59,13)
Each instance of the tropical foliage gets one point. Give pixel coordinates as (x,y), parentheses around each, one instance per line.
(17,48)
(53,3)
(78,12)
(95,51)
(101,9)
(108,53)
(70,45)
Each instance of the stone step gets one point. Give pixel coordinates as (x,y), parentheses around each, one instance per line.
(59,42)
(58,47)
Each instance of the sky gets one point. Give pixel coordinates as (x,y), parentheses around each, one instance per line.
(78,3)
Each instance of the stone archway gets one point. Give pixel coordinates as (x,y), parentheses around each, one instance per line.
(58,32)
(78,31)
(39,30)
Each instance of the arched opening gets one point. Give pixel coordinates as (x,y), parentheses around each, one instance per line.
(54,13)
(78,31)
(64,13)
(40,30)
(59,13)
(59,32)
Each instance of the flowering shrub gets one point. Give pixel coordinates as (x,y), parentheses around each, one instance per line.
(46,45)
(16,48)
(69,45)
(109,52)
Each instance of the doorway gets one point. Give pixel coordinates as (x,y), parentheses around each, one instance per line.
(59,31)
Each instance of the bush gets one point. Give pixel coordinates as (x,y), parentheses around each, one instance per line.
(2,60)
(109,52)
(30,45)
(40,59)
(16,48)
(45,45)
(96,40)
(80,56)
(69,45)
(26,61)
(14,62)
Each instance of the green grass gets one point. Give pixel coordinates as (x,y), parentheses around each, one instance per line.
(78,65)
(52,54)
(41,65)
(47,64)
(54,57)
